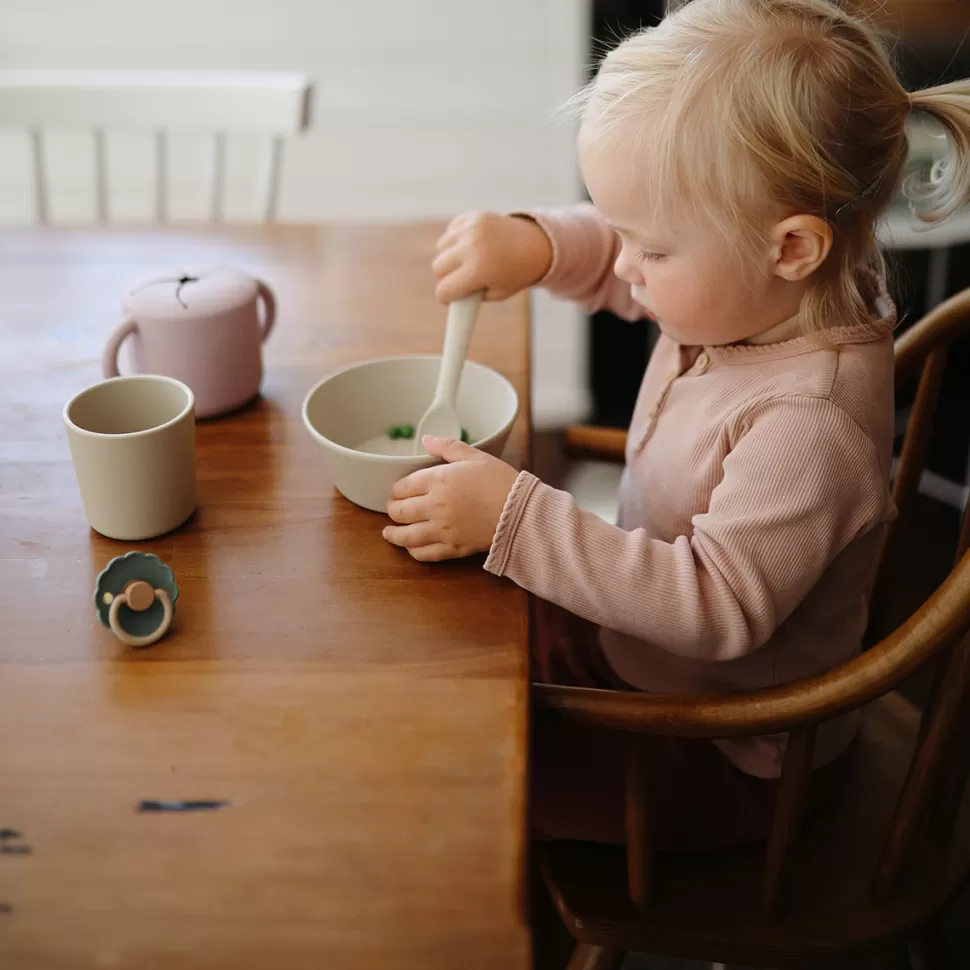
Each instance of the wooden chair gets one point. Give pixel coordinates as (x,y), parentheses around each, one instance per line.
(870,877)
(917,19)
(108,109)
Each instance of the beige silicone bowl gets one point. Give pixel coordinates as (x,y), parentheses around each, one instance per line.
(363,401)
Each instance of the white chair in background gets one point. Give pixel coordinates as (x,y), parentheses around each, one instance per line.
(160,106)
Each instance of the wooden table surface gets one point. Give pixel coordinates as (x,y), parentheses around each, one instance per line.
(365,714)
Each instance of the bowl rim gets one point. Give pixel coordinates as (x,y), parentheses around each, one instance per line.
(401,459)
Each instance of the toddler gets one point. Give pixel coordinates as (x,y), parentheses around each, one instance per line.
(737,157)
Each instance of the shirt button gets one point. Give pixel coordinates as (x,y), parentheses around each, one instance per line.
(652,412)
(703,362)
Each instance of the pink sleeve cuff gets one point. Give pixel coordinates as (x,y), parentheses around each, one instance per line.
(508,523)
(577,236)
(584,251)
(555,271)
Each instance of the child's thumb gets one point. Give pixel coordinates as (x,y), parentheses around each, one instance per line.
(451,449)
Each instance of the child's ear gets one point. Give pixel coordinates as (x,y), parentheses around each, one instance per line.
(800,244)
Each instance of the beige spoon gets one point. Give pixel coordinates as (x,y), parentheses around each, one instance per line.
(441,419)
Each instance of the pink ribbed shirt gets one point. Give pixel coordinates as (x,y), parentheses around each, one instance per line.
(752,509)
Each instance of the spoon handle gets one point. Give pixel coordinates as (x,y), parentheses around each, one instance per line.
(458,334)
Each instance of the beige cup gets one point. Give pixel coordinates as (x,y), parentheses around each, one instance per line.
(132,440)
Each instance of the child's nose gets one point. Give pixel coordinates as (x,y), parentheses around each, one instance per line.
(626,267)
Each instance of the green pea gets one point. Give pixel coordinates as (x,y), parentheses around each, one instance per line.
(407,431)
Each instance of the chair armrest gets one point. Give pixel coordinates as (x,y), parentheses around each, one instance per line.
(874,673)
(588,441)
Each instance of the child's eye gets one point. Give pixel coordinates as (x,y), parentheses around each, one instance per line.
(647,257)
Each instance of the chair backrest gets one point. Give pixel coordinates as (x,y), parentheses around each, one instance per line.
(933,790)
(937,777)
(170,112)
(941,764)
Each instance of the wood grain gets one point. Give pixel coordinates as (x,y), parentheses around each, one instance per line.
(937,757)
(707,906)
(595,958)
(639,849)
(602,444)
(786,823)
(365,714)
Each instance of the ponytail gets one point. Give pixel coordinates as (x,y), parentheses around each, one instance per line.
(946,188)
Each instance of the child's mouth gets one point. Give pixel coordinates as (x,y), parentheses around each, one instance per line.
(637,293)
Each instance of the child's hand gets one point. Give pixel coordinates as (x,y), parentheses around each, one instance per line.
(452,510)
(495,253)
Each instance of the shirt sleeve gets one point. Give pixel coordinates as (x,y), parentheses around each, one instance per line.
(584,249)
(801,482)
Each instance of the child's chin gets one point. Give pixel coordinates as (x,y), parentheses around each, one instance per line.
(677,338)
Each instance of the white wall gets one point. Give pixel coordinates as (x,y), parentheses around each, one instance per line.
(422,108)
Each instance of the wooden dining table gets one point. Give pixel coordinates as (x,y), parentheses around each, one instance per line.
(361,718)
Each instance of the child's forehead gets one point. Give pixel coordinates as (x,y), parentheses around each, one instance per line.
(652,184)
(625,184)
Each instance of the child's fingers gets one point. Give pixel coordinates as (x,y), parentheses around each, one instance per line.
(413,485)
(458,225)
(458,284)
(435,552)
(407,511)
(466,219)
(448,238)
(451,449)
(447,262)
(408,536)
(460,220)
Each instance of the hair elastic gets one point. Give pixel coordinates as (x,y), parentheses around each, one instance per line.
(867,193)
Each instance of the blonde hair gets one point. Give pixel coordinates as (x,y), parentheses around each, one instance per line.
(748,107)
